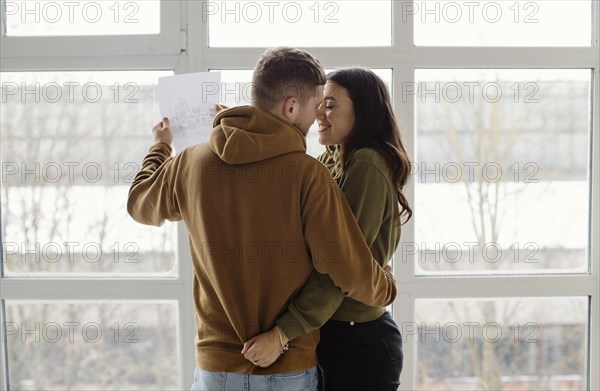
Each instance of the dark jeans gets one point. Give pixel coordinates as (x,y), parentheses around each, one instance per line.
(361,356)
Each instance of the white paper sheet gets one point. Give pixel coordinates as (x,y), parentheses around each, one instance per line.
(188,101)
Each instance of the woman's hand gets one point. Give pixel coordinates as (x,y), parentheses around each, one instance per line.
(264,349)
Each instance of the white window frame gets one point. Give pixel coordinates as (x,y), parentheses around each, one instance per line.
(182,45)
(163,51)
(168,41)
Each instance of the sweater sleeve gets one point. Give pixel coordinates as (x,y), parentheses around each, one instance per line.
(153,195)
(343,266)
(316,302)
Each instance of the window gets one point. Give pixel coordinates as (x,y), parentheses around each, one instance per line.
(72,144)
(498,105)
(76,18)
(505,147)
(529,343)
(501,23)
(111,345)
(315,23)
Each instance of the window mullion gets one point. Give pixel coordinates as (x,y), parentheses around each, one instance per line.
(594,355)
(3,348)
(90,289)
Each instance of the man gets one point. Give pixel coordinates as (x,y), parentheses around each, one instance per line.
(260,215)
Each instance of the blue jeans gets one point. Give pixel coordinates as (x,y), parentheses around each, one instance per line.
(228,381)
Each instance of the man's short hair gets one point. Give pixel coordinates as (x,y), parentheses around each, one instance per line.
(283,72)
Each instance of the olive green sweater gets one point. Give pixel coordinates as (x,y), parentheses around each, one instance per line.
(261,214)
(367,185)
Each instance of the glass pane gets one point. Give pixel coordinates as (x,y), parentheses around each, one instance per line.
(507,344)
(235,91)
(83,17)
(72,143)
(509,151)
(319,23)
(92,346)
(500,23)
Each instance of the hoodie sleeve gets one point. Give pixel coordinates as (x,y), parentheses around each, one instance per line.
(319,298)
(153,195)
(338,249)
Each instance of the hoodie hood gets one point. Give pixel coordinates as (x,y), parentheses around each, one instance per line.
(247,134)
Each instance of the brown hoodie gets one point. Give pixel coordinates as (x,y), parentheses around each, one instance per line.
(260,215)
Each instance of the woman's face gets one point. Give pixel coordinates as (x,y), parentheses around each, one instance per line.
(335,115)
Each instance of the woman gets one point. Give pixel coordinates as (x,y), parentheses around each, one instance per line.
(360,346)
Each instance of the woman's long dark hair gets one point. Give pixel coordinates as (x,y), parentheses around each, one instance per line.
(375,126)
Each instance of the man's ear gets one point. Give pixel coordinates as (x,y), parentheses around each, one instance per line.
(291,109)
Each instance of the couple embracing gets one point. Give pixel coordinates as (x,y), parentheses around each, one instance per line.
(289,281)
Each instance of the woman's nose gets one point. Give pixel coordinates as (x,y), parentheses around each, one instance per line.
(321,111)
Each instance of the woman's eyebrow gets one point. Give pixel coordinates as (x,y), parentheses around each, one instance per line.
(329,98)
